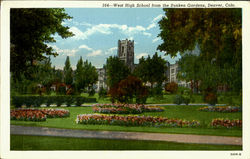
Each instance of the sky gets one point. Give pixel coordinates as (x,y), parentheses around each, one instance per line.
(97,31)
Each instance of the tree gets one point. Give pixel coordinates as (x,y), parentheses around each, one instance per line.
(152,70)
(190,70)
(90,76)
(171,87)
(30,33)
(127,89)
(68,72)
(116,71)
(79,75)
(218,32)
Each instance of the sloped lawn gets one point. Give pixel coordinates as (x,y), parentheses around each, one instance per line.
(180,112)
(21,142)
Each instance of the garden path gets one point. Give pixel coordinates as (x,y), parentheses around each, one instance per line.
(181,138)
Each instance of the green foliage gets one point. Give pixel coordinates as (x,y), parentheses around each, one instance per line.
(68,72)
(178,99)
(151,70)
(30,33)
(116,71)
(91,91)
(79,76)
(217,32)
(36,101)
(102,93)
(156,91)
(127,89)
(90,76)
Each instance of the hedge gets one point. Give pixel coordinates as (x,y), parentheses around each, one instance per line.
(36,101)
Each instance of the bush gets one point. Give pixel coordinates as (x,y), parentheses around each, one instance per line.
(186,100)
(211,98)
(156,91)
(36,101)
(171,87)
(184,91)
(79,101)
(127,89)
(91,92)
(102,93)
(178,99)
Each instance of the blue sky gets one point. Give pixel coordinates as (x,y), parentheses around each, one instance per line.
(97,31)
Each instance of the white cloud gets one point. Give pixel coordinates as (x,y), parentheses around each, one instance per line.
(95,53)
(65,52)
(107,29)
(147,34)
(81,23)
(85,47)
(155,39)
(111,50)
(152,25)
(156,19)
(140,55)
(78,33)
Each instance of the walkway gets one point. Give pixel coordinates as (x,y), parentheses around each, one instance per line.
(181,138)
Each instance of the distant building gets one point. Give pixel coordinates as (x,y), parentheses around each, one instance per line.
(125,52)
(173,71)
(101,83)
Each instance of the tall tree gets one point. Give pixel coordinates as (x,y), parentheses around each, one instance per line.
(30,32)
(152,70)
(218,32)
(90,75)
(68,72)
(79,75)
(116,71)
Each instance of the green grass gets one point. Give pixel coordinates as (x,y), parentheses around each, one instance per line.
(20,142)
(181,112)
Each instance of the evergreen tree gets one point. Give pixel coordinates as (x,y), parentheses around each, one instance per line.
(68,72)
(79,75)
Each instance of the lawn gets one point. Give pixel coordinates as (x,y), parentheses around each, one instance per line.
(181,112)
(20,142)
(169,98)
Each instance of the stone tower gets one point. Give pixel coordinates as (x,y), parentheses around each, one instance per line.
(125,52)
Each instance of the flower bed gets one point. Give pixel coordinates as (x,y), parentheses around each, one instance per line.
(223,109)
(37,114)
(153,109)
(226,123)
(125,108)
(133,120)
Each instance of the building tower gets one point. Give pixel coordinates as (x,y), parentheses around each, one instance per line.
(125,52)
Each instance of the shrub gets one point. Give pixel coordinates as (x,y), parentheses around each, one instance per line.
(19,100)
(171,87)
(102,93)
(186,100)
(211,98)
(79,101)
(127,89)
(178,99)
(91,92)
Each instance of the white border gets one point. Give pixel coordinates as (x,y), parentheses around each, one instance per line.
(5,87)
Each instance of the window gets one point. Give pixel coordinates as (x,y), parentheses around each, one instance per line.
(122,49)
(172,70)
